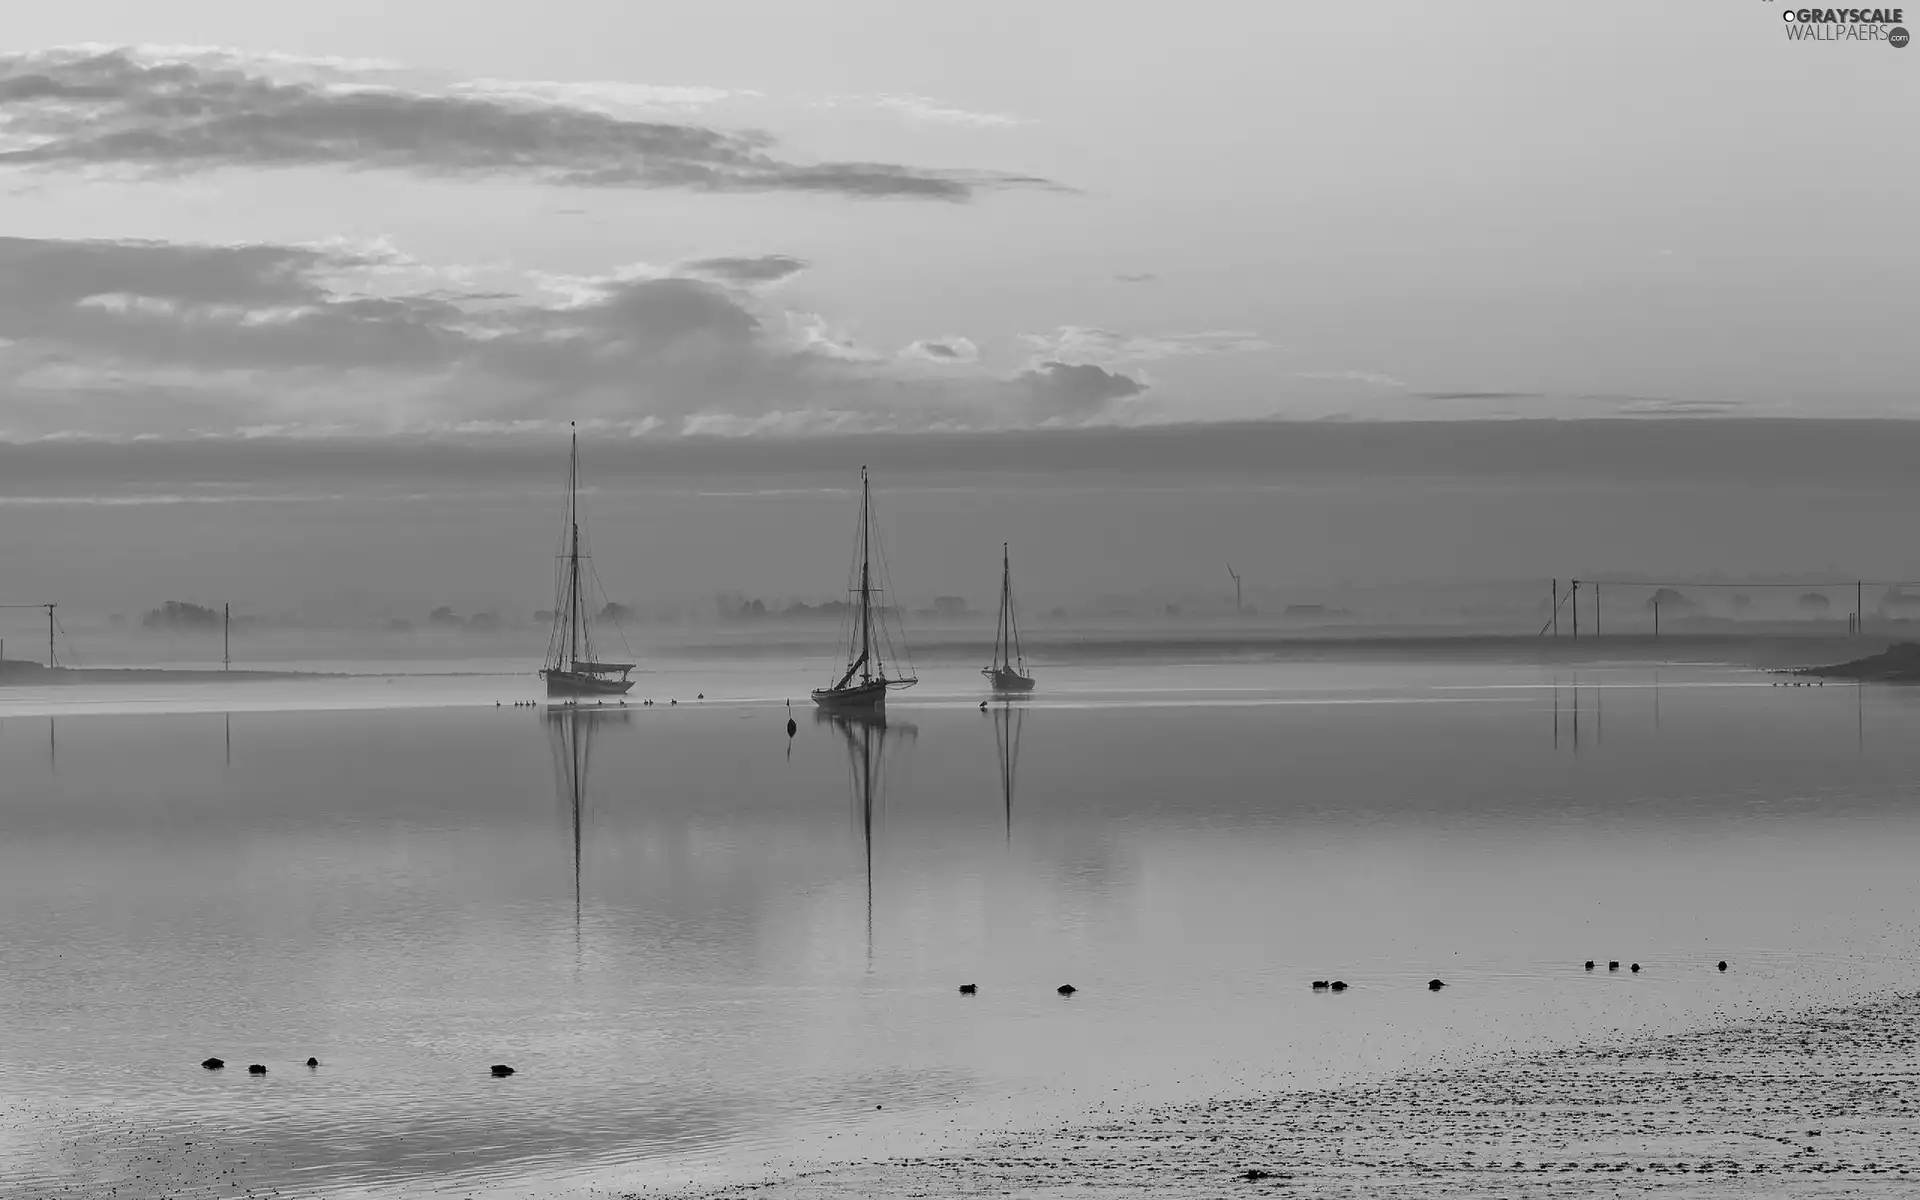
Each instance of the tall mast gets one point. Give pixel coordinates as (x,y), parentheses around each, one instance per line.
(573,552)
(1000,631)
(866,603)
(1013,622)
(50,659)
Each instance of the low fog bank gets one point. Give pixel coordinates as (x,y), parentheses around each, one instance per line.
(1192,623)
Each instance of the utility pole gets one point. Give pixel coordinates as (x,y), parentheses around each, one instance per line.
(1596,610)
(50,659)
(1656,622)
(1237,607)
(1576,618)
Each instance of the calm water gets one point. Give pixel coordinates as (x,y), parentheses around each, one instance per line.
(710,952)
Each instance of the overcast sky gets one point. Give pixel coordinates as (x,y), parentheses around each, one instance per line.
(382,220)
(751,214)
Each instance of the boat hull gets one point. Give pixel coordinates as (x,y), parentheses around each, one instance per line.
(573,683)
(859,697)
(1004,680)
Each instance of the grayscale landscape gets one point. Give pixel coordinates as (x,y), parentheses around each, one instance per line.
(755,600)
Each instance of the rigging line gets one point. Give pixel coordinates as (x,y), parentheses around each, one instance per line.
(904,655)
(618,632)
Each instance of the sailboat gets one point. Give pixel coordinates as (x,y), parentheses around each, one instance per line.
(571,668)
(1008,669)
(863,685)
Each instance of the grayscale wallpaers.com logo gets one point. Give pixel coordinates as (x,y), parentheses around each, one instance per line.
(1846,25)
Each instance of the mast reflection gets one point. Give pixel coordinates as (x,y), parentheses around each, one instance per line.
(570,735)
(1007,723)
(866,735)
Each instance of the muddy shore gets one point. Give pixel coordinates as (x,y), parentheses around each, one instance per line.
(1793,1104)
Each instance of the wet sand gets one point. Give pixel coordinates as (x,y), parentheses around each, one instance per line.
(1822,1103)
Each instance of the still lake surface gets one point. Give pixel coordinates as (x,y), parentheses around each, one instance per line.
(712,954)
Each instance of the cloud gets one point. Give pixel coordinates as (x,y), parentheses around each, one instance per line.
(1085,344)
(768,268)
(1375,378)
(1137,277)
(127,339)
(926,110)
(943,350)
(1058,389)
(155,110)
(1481,396)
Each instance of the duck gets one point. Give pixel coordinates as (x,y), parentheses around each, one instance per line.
(501,1070)
(214,1064)
(1338,985)
(1636,968)
(257,1069)
(1614,965)
(1319,985)
(1589,965)
(1434,985)
(1723,964)
(1066,989)
(968,989)
(313,1062)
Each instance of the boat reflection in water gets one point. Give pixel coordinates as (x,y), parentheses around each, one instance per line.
(867,736)
(1008,719)
(570,735)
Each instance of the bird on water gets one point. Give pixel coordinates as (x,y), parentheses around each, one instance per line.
(968,989)
(1066,989)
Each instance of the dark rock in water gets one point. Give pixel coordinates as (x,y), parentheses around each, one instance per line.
(1434,985)
(1723,964)
(1614,965)
(1636,968)
(1339,985)
(1589,964)
(501,1070)
(313,1062)
(214,1064)
(967,989)
(1066,989)
(257,1069)
(1319,985)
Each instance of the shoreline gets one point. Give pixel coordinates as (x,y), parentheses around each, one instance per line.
(1815,1098)
(14,673)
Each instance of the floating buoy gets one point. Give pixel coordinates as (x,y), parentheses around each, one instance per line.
(214,1064)
(1066,989)
(501,1070)
(968,989)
